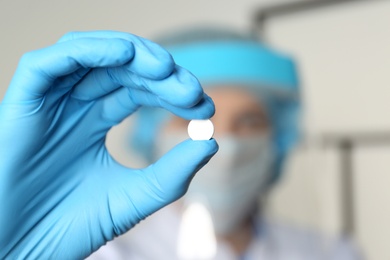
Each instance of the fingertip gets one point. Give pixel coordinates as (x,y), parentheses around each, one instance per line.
(212,146)
(201,151)
(210,106)
(164,61)
(148,54)
(127,51)
(205,109)
(67,36)
(191,92)
(203,148)
(177,167)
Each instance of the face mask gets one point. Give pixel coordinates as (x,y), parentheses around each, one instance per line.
(230,184)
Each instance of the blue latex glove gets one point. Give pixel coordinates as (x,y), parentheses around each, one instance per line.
(62,195)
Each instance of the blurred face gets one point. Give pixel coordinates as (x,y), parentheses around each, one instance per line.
(238,113)
(230,184)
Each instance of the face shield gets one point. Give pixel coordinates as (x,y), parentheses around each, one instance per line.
(241,62)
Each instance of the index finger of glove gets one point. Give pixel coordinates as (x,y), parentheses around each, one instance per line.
(148,54)
(38,70)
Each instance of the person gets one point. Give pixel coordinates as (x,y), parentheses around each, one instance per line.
(62,195)
(256,93)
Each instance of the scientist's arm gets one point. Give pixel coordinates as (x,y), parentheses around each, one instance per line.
(62,195)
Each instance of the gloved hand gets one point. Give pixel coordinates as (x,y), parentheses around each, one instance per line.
(62,195)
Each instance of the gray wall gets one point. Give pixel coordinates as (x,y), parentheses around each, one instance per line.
(344,59)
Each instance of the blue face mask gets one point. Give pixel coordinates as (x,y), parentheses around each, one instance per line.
(230,184)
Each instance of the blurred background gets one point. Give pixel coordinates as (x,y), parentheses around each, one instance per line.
(338,179)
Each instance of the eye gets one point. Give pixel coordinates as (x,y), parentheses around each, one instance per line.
(251,123)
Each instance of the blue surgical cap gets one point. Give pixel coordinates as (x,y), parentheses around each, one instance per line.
(242,62)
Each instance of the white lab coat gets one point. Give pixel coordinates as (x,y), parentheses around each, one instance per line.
(157,237)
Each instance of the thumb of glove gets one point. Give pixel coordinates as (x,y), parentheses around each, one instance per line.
(161,183)
(175,170)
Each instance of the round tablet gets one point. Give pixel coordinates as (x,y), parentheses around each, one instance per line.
(200,129)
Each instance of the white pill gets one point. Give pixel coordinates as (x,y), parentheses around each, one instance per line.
(200,129)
